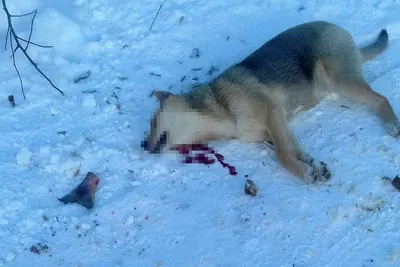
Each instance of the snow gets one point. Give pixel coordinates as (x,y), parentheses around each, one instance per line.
(24,157)
(150,210)
(89,101)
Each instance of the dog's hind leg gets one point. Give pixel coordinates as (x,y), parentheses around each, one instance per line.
(358,89)
(289,152)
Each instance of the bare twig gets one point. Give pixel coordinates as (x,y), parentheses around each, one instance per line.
(31,29)
(15,66)
(5,43)
(23,15)
(158,12)
(33,43)
(15,38)
(13,50)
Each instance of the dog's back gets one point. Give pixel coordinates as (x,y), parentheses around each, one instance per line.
(292,55)
(301,65)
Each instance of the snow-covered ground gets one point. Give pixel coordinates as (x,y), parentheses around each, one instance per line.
(152,210)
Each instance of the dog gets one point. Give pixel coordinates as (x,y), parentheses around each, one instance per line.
(255,99)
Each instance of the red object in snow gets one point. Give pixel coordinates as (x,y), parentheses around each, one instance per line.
(202,157)
(84,193)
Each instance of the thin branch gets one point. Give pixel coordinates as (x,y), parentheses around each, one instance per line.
(14,37)
(15,67)
(14,50)
(31,30)
(33,43)
(8,32)
(158,12)
(37,68)
(23,15)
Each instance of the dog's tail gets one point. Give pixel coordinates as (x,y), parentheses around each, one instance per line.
(371,51)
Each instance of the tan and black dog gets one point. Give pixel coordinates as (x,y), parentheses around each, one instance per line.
(253,100)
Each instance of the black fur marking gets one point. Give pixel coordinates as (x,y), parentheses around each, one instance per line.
(286,58)
(306,63)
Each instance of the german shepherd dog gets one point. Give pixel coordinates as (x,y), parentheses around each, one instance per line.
(254,100)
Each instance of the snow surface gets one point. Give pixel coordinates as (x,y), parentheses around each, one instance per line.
(152,210)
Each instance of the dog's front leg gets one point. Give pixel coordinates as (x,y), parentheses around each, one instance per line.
(289,152)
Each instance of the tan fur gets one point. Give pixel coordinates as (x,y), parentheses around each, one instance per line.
(254,100)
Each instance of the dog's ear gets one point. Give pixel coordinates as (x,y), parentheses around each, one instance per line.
(161,95)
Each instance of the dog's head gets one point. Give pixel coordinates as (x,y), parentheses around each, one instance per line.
(171,124)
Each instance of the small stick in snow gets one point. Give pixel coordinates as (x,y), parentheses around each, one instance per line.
(82,76)
(11,100)
(301,8)
(12,37)
(155,74)
(115,96)
(84,193)
(158,12)
(195,53)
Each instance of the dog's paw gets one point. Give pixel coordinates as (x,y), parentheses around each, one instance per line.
(318,172)
(393,128)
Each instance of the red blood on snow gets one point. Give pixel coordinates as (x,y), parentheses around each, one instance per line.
(202,157)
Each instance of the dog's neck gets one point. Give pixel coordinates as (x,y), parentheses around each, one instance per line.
(202,99)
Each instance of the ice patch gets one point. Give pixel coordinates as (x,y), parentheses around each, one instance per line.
(85,226)
(10,256)
(110,108)
(89,101)
(24,157)
(135,183)
(130,220)
(44,151)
